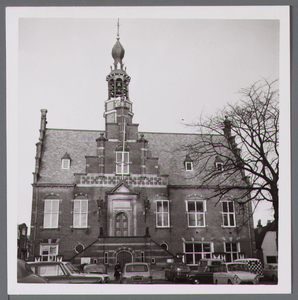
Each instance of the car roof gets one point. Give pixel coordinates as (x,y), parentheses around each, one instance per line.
(209,259)
(47,262)
(245,259)
(136,263)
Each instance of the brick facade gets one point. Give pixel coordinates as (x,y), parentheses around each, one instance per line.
(101,196)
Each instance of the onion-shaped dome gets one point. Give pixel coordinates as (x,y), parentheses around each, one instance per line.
(118,53)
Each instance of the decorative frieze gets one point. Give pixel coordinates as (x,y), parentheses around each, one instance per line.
(110,180)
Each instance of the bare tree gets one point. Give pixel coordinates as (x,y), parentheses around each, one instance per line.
(241,144)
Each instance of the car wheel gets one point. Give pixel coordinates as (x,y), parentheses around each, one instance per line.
(229,281)
(274,278)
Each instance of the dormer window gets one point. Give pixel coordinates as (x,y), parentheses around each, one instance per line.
(188,163)
(219,166)
(65,161)
(218,163)
(188,166)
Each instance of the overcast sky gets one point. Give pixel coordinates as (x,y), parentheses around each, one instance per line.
(178,68)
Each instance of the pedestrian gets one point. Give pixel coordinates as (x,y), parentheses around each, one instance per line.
(117,271)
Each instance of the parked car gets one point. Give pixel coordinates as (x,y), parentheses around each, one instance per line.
(234,273)
(136,273)
(97,269)
(203,277)
(204,262)
(26,275)
(177,271)
(63,272)
(254,265)
(271,271)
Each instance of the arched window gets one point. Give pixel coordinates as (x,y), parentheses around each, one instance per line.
(164,246)
(112,88)
(119,86)
(121,224)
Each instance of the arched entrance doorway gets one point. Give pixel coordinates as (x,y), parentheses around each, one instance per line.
(124,257)
(121,224)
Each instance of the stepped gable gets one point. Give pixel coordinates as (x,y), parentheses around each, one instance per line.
(81,143)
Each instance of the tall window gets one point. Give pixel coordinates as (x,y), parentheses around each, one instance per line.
(122,162)
(228,214)
(51,213)
(80,213)
(194,251)
(196,210)
(162,213)
(232,251)
(118,87)
(49,252)
(121,225)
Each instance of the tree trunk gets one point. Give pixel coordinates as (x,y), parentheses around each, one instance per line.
(275,203)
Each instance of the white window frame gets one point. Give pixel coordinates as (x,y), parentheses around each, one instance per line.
(165,215)
(189,163)
(65,163)
(194,252)
(230,253)
(122,162)
(51,217)
(50,256)
(197,214)
(80,213)
(228,214)
(219,166)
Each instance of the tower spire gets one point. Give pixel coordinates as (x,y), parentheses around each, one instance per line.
(118,25)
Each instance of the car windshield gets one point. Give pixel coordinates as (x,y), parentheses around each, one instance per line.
(50,270)
(94,269)
(212,269)
(237,267)
(137,268)
(72,269)
(182,268)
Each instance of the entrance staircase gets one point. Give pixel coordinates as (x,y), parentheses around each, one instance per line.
(106,250)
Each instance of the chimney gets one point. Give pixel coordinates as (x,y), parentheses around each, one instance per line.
(227,128)
(259,226)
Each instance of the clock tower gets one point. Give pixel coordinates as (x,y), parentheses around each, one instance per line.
(118,107)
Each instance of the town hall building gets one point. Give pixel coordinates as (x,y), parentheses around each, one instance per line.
(124,195)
